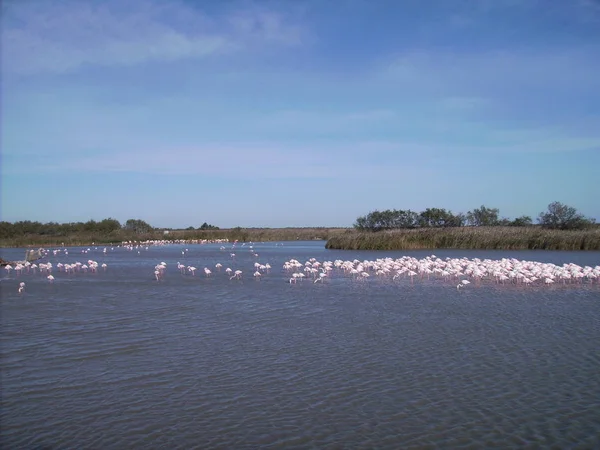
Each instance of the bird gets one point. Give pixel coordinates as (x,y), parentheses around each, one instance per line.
(462,283)
(322,275)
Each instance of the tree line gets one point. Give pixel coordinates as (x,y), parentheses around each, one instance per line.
(557,216)
(102,227)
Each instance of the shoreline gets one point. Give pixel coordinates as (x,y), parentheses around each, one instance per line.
(183,236)
(463,238)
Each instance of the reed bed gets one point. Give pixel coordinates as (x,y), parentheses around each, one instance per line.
(481,238)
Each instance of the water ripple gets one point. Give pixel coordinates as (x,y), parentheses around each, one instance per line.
(119,361)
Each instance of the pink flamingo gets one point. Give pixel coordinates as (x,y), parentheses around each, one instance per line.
(237,274)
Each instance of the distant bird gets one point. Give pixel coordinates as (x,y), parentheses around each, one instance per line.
(462,283)
(237,274)
(322,275)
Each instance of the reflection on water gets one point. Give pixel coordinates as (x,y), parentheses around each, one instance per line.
(119,360)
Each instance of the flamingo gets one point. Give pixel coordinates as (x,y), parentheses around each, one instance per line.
(322,276)
(237,274)
(462,283)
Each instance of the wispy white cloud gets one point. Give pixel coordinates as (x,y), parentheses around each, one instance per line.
(365,160)
(254,160)
(61,36)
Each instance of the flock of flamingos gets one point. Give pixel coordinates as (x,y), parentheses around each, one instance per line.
(458,272)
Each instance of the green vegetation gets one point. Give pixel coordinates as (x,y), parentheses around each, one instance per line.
(110,231)
(206,226)
(558,216)
(485,238)
(561,227)
(563,217)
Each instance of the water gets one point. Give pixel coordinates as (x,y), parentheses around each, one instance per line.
(117,360)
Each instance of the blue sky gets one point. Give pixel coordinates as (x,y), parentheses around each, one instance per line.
(297,113)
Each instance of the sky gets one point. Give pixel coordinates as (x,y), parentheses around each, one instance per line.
(296,113)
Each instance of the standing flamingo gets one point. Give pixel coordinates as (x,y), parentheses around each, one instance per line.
(462,283)
(322,276)
(237,274)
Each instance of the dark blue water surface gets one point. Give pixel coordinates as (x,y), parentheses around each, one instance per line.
(119,360)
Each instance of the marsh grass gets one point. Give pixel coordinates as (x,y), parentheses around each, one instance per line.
(481,238)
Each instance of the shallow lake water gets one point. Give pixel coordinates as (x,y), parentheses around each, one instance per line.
(116,359)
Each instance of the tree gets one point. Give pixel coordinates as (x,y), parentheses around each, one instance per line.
(137,226)
(563,217)
(439,217)
(483,217)
(406,219)
(7,230)
(361,223)
(504,222)
(90,225)
(108,225)
(206,226)
(403,219)
(374,221)
(523,221)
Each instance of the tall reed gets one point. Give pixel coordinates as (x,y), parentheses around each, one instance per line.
(485,238)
